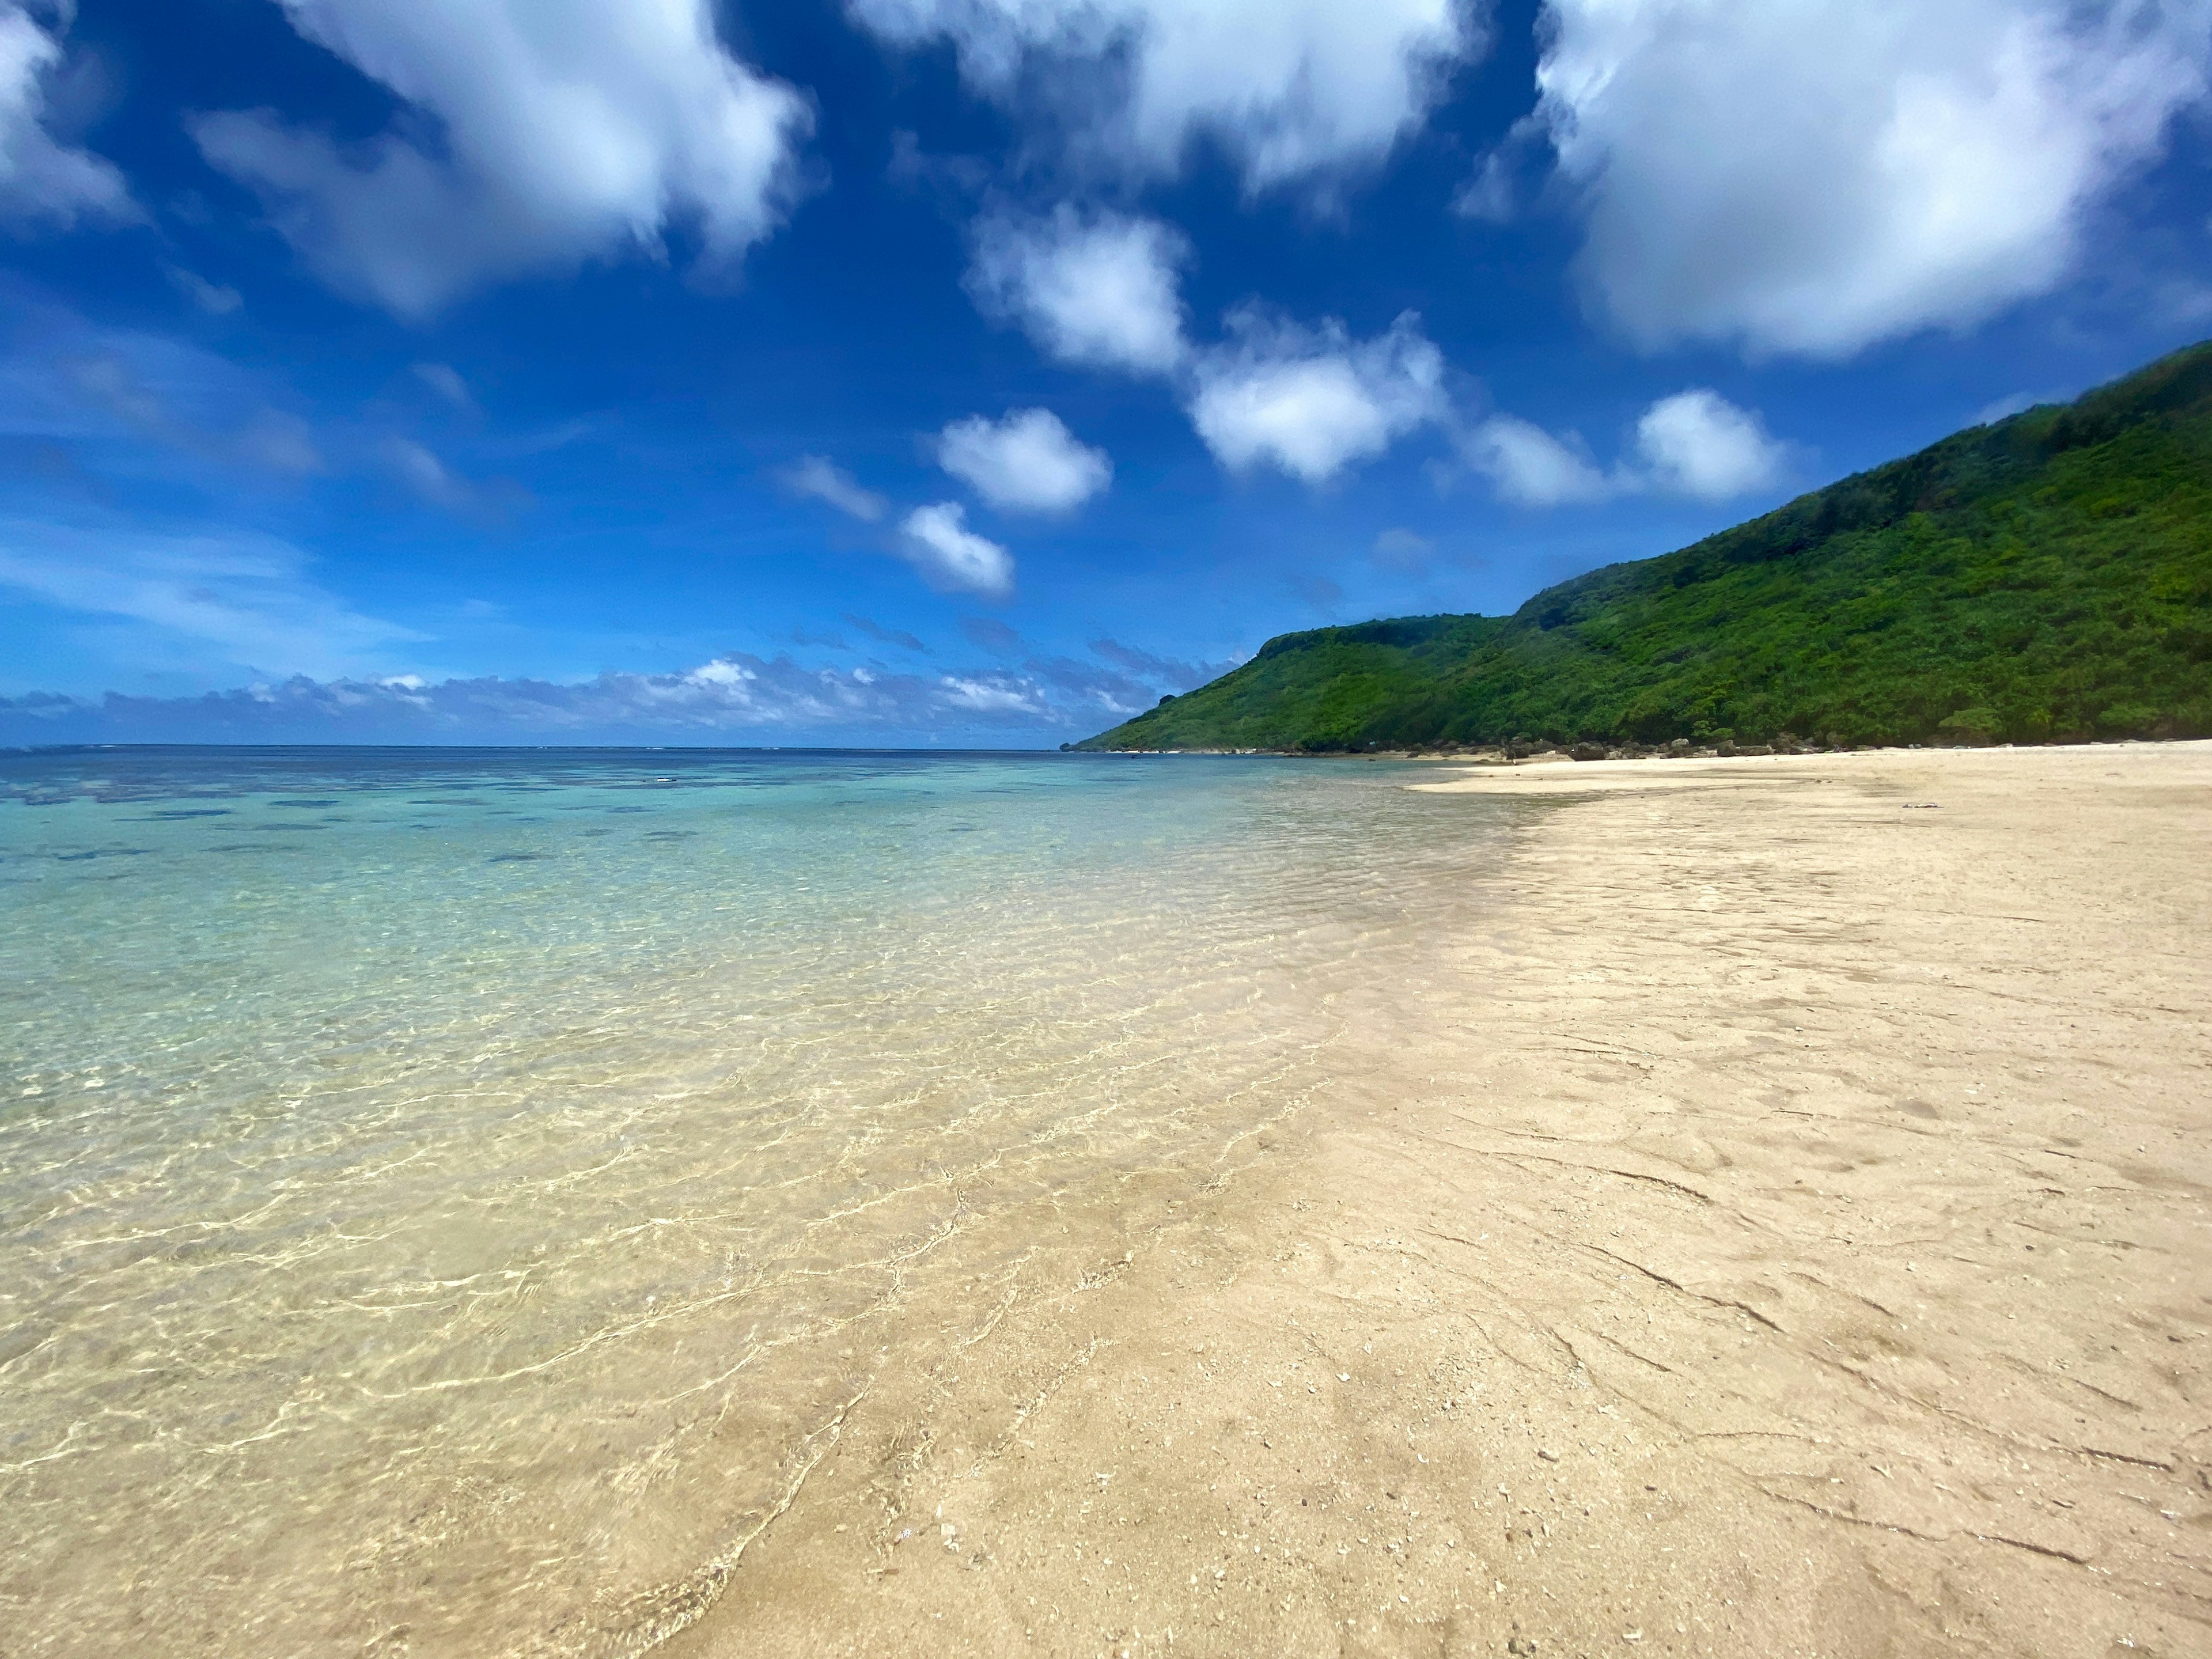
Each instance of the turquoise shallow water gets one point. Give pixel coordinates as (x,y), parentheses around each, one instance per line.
(443,1194)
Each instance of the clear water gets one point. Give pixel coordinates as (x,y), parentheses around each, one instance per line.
(445,1195)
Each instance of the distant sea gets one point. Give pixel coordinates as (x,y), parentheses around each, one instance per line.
(445,1193)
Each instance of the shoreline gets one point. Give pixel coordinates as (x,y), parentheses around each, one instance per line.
(1495,754)
(1773,1223)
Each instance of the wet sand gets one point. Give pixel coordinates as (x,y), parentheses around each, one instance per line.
(1776,1224)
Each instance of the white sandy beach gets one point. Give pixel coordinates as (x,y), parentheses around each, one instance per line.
(1782,1232)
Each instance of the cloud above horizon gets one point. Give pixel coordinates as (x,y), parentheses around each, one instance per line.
(250,598)
(936,541)
(1101,290)
(1027,462)
(1311,402)
(1290,90)
(1815,177)
(564,131)
(1698,443)
(735,692)
(1694,444)
(1096,289)
(42,180)
(738,691)
(113,389)
(820,478)
(1530,467)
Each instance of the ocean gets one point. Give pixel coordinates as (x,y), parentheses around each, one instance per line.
(449,1196)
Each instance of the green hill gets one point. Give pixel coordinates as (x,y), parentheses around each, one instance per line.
(2048,578)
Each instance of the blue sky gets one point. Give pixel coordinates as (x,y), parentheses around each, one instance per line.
(976,371)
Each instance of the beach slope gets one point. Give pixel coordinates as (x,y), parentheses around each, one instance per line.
(1779,1226)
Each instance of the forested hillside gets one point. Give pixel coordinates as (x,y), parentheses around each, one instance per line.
(2046,578)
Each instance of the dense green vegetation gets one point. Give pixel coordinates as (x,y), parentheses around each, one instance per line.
(2048,578)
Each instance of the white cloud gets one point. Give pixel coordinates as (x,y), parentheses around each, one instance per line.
(564,130)
(250,597)
(1695,443)
(721,672)
(822,479)
(991,697)
(1811,176)
(735,690)
(1698,443)
(1530,467)
(1291,87)
(1028,462)
(1313,401)
(948,555)
(39,179)
(1097,289)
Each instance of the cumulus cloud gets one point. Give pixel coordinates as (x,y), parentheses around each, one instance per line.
(822,479)
(937,542)
(736,692)
(1312,401)
(991,695)
(767,699)
(251,597)
(1098,289)
(1696,443)
(1816,176)
(42,179)
(556,131)
(1290,89)
(1530,467)
(1028,462)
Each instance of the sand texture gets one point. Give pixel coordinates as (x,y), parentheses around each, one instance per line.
(1772,1220)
